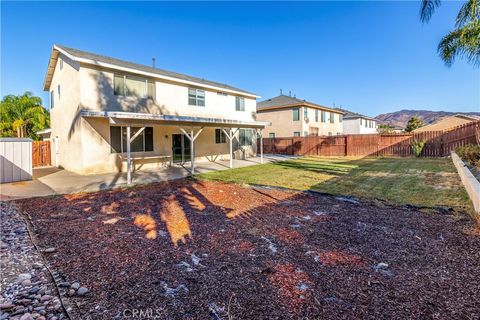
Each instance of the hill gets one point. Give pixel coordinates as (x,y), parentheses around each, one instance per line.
(400,118)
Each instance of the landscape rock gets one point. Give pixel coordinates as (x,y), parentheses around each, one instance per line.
(82,291)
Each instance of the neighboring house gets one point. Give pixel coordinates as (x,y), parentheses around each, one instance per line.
(290,116)
(45,134)
(97,102)
(447,123)
(355,123)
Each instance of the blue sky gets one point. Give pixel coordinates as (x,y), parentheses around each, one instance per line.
(369,57)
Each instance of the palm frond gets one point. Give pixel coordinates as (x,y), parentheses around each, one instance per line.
(461,42)
(428,8)
(470,11)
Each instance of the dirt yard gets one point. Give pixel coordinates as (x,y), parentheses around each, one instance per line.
(210,250)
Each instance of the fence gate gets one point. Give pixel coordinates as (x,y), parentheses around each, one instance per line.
(41,155)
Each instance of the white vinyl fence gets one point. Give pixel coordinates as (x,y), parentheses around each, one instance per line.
(15,159)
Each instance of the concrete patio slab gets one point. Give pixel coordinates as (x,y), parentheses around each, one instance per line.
(50,180)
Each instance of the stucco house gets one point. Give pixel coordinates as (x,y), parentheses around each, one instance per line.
(356,123)
(290,116)
(448,123)
(108,115)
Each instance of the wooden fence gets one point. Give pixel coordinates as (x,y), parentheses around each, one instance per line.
(41,155)
(438,143)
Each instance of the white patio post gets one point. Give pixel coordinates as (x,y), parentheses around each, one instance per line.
(261,147)
(192,137)
(230,135)
(129,158)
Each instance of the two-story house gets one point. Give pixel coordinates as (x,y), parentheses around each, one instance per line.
(355,123)
(290,116)
(108,114)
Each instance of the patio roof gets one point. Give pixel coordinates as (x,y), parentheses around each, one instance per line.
(133,118)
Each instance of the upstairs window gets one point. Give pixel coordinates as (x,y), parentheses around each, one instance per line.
(305,112)
(239,104)
(296,114)
(118,139)
(52,99)
(324,116)
(340,118)
(316,115)
(220,93)
(332,117)
(245,137)
(296,133)
(196,97)
(58,90)
(61,64)
(220,136)
(271,135)
(360,121)
(131,86)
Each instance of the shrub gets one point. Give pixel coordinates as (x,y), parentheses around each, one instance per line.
(417,147)
(470,153)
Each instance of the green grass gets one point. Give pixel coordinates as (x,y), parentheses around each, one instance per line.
(425,182)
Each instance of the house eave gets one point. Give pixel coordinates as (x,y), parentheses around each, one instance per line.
(125,118)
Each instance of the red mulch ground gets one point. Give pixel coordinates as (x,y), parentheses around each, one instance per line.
(197,250)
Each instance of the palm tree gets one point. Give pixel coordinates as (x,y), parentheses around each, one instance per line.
(464,40)
(22,115)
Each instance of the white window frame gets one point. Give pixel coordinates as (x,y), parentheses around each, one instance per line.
(197,97)
(124,93)
(239,103)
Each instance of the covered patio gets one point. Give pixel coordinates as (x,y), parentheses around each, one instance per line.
(190,127)
(50,180)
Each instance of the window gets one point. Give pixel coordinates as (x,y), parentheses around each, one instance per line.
(196,97)
(219,93)
(339,133)
(305,133)
(296,114)
(61,63)
(329,133)
(340,118)
(271,135)
(316,115)
(58,90)
(52,99)
(239,104)
(220,136)
(332,117)
(366,123)
(131,86)
(360,121)
(324,116)
(305,112)
(245,137)
(118,139)
(296,133)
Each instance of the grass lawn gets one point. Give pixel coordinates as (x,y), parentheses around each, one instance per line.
(427,182)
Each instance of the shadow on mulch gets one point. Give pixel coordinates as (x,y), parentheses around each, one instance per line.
(188,249)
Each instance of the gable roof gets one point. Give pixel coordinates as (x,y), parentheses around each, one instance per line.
(113,63)
(448,122)
(354,115)
(282,101)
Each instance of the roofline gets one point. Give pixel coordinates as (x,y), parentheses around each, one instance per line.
(359,116)
(125,117)
(307,104)
(136,71)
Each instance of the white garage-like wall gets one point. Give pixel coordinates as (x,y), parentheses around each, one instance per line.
(15,159)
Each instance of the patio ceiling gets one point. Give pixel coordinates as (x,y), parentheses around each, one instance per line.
(132,118)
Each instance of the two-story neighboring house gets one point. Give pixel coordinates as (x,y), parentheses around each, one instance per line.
(108,114)
(355,123)
(290,116)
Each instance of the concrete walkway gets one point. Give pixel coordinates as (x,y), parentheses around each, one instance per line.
(50,180)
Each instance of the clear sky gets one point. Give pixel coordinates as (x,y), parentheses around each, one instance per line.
(369,57)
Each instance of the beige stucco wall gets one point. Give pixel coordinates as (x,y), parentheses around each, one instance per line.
(84,144)
(65,130)
(284,126)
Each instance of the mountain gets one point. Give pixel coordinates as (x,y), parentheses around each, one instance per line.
(400,118)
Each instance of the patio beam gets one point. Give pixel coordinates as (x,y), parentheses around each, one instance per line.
(230,135)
